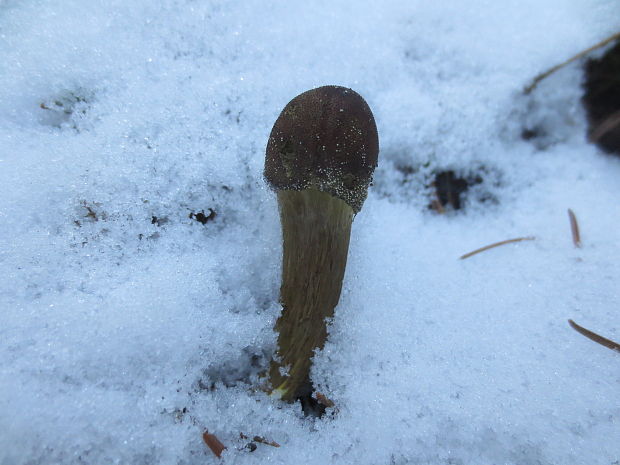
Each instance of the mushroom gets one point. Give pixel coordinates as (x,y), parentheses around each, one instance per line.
(320,158)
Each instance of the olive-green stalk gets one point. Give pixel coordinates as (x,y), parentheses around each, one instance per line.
(316,228)
(319,159)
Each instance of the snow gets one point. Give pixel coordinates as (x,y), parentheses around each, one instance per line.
(127,328)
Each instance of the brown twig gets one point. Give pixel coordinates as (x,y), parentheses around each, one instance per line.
(595,337)
(497,244)
(574,228)
(214,443)
(553,69)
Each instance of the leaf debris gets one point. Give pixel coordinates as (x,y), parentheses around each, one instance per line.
(260,440)
(213,443)
(324,400)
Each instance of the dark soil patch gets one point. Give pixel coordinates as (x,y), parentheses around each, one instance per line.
(202,218)
(601,99)
(449,189)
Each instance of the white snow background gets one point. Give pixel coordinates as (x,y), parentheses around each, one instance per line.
(127,328)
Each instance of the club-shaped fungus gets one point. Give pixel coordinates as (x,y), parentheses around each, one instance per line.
(320,158)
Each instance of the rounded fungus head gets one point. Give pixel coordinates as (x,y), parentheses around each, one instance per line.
(324,139)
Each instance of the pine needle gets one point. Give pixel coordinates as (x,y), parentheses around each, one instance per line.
(574,227)
(438,206)
(581,54)
(497,244)
(436,203)
(608,124)
(595,337)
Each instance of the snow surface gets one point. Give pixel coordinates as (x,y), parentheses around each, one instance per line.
(127,328)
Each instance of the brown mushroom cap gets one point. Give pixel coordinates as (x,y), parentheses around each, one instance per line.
(326,139)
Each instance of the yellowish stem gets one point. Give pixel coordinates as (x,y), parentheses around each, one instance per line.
(315,230)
